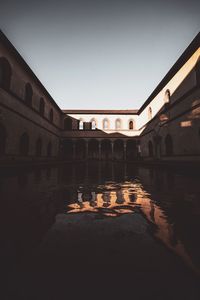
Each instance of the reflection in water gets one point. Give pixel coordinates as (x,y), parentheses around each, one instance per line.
(163,205)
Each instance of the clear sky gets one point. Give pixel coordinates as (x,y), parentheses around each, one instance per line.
(100,54)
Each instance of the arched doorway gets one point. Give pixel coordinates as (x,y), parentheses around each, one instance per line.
(93,149)
(80,150)
(118,150)
(169,145)
(150,148)
(2,140)
(68,149)
(106,150)
(131,150)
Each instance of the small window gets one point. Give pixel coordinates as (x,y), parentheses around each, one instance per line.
(28,94)
(81,125)
(131,125)
(167,96)
(105,124)
(5,73)
(42,105)
(150,113)
(38,150)
(93,124)
(118,124)
(49,149)
(51,115)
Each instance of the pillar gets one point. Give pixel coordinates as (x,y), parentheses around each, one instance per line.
(124,150)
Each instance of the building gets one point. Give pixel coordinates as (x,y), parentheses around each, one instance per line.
(33,128)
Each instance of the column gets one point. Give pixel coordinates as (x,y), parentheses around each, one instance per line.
(112,149)
(124,150)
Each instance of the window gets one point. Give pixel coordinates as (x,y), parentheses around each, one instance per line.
(24,144)
(105,124)
(49,149)
(42,105)
(81,124)
(167,96)
(5,73)
(38,150)
(28,94)
(93,124)
(131,125)
(118,124)
(51,115)
(67,123)
(150,113)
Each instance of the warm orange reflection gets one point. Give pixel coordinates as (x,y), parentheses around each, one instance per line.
(128,198)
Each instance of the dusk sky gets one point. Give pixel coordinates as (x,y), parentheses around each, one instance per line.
(100,54)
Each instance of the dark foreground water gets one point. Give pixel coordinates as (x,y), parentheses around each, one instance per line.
(100,231)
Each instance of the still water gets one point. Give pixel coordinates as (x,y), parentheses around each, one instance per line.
(100,229)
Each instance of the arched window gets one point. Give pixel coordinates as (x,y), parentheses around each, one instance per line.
(38,149)
(5,73)
(105,124)
(131,125)
(2,139)
(49,149)
(81,124)
(93,124)
(118,124)
(150,113)
(68,123)
(167,96)
(28,94)
(150,148)
(24,144)
(169,145)
(51,115)
(42,105)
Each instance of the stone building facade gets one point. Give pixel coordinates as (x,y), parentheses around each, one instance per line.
(34,128)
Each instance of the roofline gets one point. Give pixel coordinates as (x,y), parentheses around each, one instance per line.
(27,68)
(101,111)
(193,46)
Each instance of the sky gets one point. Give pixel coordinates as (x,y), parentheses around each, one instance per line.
(100,54)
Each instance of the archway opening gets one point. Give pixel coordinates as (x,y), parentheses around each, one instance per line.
(168,145)
(24,144)
(68,149)
(80,150)
(118,150)
(106,150)
(150,148)
(131,150)
(5,73)
(93,149)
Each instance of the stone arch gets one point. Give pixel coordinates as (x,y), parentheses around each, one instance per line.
(5,73)
(106,149)
(93,124)
(168,145)
(93,149)
(131,124)
(81,124)
(51,115)
(28,94)
(68,149)
(131,150)
(80,149)
(49,149)
(3,137)
(150,148)
(118,124)
(67,123)
(42,106)
(149,113)
(106,124)
(118,149)
(24,144)
(38,147)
